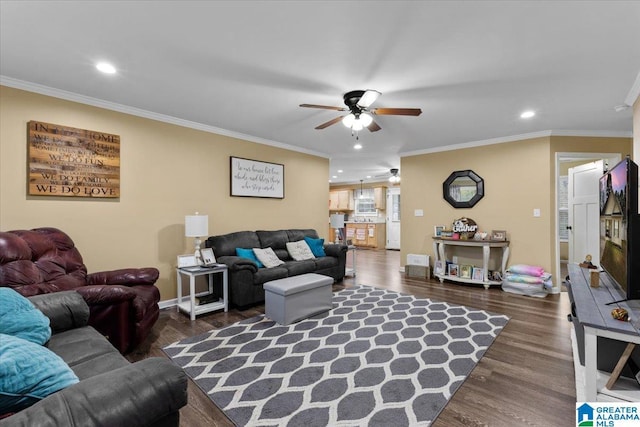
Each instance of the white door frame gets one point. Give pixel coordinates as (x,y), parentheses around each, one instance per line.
(560,156)
(389,212)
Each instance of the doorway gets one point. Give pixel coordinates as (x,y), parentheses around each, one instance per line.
(393,218)
(578,230)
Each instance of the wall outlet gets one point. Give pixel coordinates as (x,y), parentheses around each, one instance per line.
(536,212)
(454,259)
(418,212)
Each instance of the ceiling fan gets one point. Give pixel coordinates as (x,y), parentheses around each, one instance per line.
(358,103)
(393,175)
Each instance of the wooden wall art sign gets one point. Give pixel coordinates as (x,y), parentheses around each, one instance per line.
(65,161)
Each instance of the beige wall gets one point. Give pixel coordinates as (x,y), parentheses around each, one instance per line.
(518,177)
(167,172)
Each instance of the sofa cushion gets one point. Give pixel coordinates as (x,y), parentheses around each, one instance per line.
(249,254)
(20,318)
(267,274)
(316,246)
(226,244)
(268,257)
(296,268)
(28,373)
(299,234)
(273,239)
(86,352)
(300,250)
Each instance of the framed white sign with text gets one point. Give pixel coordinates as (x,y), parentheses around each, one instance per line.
(252,178)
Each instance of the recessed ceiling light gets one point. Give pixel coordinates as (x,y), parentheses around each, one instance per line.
(527,114)
(368,176)
(340,171)
(106,68)
(357,146)
(335,176)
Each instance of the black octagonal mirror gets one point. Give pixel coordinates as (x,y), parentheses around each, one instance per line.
(463,189)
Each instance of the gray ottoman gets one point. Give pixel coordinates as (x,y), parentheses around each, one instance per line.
(295,298)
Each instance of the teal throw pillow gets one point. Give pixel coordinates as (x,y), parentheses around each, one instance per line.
(20,318)
(316,245)
(28,373)
(248,254)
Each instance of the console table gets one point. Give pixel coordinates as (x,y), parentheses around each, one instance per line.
(439,248)
(591,312)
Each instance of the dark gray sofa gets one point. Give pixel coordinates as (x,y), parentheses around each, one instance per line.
(111,391)
(246,279)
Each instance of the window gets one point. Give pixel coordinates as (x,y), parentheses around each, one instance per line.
(563,208)
(365,202)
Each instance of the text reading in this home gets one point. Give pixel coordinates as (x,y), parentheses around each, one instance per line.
(65,161)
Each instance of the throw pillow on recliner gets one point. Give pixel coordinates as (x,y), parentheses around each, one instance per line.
(20,318)
(28,373)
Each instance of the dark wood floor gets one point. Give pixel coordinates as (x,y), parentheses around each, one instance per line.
(525,379)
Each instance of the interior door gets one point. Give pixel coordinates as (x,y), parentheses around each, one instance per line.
(584,212)
(393,218)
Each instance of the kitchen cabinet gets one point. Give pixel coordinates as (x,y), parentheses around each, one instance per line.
(380,197)
(366,235)
(341,200)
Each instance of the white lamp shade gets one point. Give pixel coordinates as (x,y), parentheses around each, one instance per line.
(337,220)
(196,225)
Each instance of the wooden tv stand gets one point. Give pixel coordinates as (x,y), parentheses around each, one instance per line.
(592,313)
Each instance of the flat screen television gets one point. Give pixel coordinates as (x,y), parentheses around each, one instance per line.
(620,227)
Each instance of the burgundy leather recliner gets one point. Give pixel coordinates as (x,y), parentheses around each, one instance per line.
(123,303)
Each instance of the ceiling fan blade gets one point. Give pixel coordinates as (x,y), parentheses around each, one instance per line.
(374,127)
(396,111)
(324,107)
(368,98)
(329,123)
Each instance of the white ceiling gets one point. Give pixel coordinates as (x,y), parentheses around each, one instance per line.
(245,66)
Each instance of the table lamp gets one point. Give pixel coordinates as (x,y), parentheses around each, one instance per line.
(337,222)
(196,226)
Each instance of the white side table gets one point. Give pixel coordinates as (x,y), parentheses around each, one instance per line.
(351,271)
(190,306)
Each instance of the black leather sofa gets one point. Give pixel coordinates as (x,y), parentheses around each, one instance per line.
(246,279)
(111,391)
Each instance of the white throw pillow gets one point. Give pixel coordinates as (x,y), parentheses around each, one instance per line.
(267,257)
(299,250)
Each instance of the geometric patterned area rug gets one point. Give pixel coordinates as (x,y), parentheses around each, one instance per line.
(378,358)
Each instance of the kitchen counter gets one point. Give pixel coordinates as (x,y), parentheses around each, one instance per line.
(377,221)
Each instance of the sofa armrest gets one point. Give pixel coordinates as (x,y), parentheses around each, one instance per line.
(334,250)
(235,263)
(135,395)
(101,294)
(65,310)
(125,277)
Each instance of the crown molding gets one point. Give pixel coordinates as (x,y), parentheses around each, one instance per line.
(634,93)
(521,137)
(95,102)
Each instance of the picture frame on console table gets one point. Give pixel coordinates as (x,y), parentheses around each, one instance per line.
(452,270)
(437,230)
(478,274)
(465,271)
(439,267)
(499,235)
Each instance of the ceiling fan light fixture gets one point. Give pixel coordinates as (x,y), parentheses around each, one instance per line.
(357,125)
(365,119)
(348,120)
(394,179)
